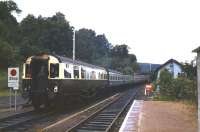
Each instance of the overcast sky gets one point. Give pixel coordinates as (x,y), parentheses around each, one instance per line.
(155,30)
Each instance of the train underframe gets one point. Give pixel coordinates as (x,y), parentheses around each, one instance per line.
(61,92)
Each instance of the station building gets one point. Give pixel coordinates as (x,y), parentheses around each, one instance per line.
(173,66)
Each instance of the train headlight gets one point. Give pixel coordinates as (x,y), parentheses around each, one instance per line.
(55,89)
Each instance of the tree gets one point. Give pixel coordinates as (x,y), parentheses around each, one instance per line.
(8,23)
(7,54)
(128,62)
(85,45)
(52,34)
(120,51)
(9,33)
(190,70)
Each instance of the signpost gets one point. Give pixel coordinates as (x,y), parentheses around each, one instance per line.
(13,82)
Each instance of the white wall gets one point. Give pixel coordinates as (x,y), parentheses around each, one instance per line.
(174,69)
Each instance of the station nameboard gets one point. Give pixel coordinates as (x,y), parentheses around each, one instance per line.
(13,77)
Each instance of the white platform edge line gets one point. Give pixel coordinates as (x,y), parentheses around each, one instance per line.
(127,116)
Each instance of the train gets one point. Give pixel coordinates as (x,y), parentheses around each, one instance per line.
(53,79)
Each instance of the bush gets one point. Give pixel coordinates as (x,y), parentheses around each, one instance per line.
(185,89)
(179,88)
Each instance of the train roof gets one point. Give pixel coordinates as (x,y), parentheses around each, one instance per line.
(114,71)
(77,62)
(63,59)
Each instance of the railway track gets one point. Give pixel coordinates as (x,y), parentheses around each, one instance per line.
(103,120)
(28,121)
(100,116)
(8,122)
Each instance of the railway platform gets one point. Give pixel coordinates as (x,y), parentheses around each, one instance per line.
(130,123)
(159,116)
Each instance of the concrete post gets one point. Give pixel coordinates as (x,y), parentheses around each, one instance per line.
(198,85)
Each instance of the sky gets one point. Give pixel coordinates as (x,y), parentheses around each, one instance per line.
(155,30)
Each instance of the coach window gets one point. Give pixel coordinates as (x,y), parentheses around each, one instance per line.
(76,72)
(105,76)
(54,70)
(101,76)
(87,75)
(93,76)
(67,73)
(83,73)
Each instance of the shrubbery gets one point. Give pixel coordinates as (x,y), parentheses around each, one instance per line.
(180,88)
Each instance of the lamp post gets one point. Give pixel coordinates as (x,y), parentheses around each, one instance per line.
(74,34)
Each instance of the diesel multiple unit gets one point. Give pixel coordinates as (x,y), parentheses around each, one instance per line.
(52,78)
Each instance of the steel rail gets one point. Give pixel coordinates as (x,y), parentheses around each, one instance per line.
(104,119)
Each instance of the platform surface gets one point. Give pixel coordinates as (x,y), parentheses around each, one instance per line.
(167,116)
(130,123)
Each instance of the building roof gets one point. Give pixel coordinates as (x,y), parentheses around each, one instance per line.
(169,61)
(197,49)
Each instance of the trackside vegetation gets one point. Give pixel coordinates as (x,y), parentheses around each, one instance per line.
(181,88)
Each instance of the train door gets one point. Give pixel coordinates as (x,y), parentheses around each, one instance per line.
(39,81)
(76,72)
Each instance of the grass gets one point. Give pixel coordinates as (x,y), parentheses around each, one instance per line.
(3,79)
(5,92)
(189,102)
(164,98)
(169,98)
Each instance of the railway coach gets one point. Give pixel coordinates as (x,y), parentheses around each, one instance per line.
(51,79)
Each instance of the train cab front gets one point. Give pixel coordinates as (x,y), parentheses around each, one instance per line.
(36,79)
(39,81)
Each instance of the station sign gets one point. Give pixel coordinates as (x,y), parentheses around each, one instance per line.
(13,77)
